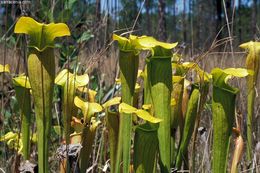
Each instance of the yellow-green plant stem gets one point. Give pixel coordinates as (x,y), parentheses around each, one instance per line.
(41,68)
(147,88)
(24,100)
(88,136)
(160,78)
(145,148)
(250,115)
(128,63)
(112,122)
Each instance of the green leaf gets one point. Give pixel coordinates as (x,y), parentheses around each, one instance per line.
(62,77)
(201,74)
(85,37)
(24,100)
(123,43)
(88,136)
(128,57)
(69,4)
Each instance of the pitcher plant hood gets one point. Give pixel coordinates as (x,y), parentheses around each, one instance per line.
(41,35)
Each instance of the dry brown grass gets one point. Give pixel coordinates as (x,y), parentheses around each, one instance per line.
(104,64)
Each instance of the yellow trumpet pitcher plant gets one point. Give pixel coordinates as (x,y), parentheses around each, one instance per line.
(223,109)
(128,63)
(90,123)
(112,124)
(22,89)
(252,63)
(15,141)
(195,106)
(159,76)
(69,83)
(178,80)
(41,72)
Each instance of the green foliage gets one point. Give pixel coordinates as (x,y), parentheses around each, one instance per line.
(165,92)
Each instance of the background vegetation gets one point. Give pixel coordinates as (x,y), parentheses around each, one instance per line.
(208,32)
